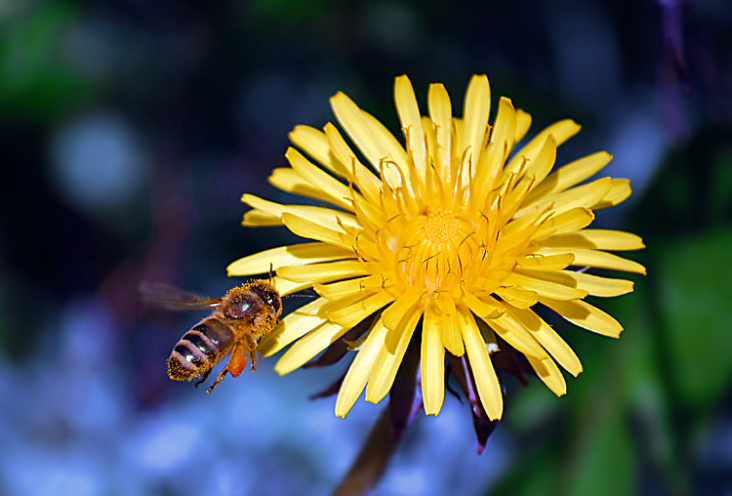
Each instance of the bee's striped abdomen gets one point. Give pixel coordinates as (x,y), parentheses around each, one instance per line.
(199,350)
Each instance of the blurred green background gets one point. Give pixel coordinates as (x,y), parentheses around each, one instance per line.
(129,131)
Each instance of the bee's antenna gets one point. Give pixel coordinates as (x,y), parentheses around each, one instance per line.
(271,268)
(309,293)
(299,296)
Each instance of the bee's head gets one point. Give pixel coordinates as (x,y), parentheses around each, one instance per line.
(249,300)
(269,295)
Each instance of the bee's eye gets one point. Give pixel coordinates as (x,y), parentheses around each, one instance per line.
(240,307)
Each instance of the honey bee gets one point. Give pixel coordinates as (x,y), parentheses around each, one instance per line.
(239,320)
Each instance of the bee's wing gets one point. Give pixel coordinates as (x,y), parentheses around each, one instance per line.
(175,298)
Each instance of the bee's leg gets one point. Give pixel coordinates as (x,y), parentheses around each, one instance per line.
(204,377)
(238,360)
(252,346)
(232,367)
(218,379)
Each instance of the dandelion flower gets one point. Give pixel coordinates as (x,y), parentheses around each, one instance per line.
(449,240)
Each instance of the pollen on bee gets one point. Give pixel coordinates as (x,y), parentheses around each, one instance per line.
(180,373)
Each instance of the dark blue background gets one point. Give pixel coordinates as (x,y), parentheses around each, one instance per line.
(129,131)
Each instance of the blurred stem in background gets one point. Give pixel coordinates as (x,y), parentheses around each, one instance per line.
(372,460)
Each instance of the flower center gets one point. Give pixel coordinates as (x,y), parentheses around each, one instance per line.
(434,250)
(439,226)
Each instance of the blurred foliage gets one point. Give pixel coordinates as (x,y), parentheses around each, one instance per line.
(289,11)
(694,289)
(36,80)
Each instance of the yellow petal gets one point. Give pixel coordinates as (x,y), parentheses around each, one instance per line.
(315,143)
(431,186)
(581,196)
(325,216)
(305,253)
(486,381)
(596,285)
(504,129)
(360,175)
(450,326)
(441,114)
(394,149)
(516,335)
(475,114)
(523,123)
(295,325)
(324,272)
(484,307)
(385,369)
(569,175)
(618,194)
(352,314)
(432,363)
(511,198)
(309,229)
(458,135)
(352,120)
(368,214)
(542,284)
(257,218)
(360,370)
(517,231)
(286,179)
(517,296)
(537,261)
(599,259)
(307,347)
(549,339)
(501,141)
(411,120)
(548,372)
(571,220)
(539,168)
(315,175)
(562,131)
(285,287)
(343,289)
(394,315)
(601,239)
(586,316)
